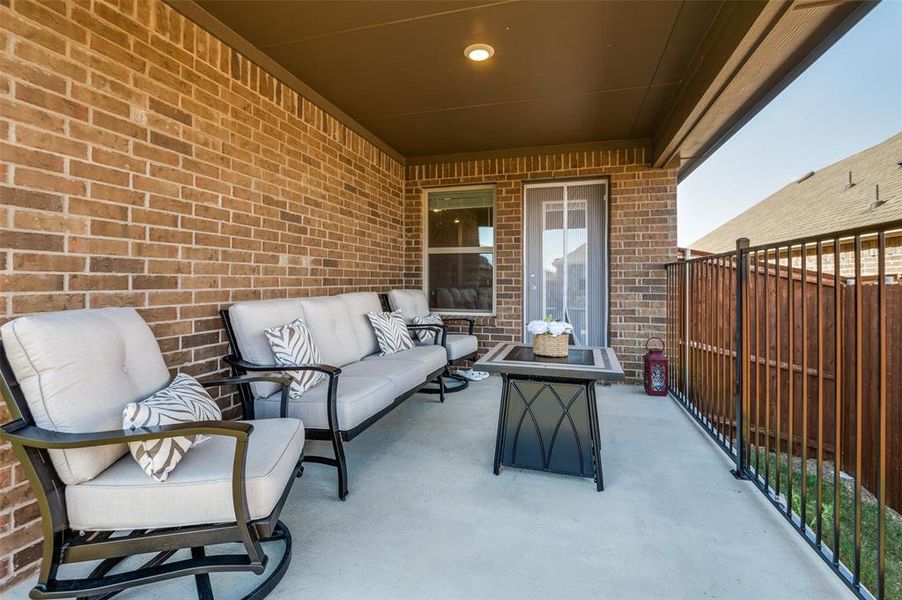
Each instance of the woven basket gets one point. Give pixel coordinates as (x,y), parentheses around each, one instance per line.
(550,345)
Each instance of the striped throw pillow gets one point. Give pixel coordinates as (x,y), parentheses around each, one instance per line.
(391,332)
(427,335)
(182,401)
(293,345)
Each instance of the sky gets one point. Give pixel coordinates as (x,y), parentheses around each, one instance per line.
(848,100)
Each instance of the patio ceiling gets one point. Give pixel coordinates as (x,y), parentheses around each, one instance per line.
(680,75)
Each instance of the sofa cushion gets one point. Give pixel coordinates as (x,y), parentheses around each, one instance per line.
(198,492)
(358,399)
(403,374)
(250,320)
(411,303)
(358,305)
(78,369)
(430,358)
(391,332)
(329,320)
(292,345)
(182,401)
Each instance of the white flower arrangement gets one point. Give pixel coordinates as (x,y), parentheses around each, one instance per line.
(548,326)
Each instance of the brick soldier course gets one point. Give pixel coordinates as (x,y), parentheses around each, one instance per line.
(145,163)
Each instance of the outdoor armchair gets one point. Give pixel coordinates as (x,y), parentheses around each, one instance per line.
(66,378)
(460,347)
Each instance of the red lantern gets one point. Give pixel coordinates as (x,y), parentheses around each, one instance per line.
(655,369)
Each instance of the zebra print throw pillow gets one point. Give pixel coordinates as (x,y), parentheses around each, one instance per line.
(182,401)
(427,335)
(391,332)
(293,345)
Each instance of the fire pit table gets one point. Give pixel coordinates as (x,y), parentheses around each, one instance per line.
(548,419)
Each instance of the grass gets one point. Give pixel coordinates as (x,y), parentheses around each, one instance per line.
(869,512)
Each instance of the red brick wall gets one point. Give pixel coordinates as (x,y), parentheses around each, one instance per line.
(642,236)
(144,163)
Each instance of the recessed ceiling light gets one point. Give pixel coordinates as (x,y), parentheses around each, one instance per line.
(479,52)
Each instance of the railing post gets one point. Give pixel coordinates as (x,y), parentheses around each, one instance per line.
(742,272)
(685,361)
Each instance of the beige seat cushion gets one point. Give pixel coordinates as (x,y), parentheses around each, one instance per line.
(460,345)
(430,358)
(199,491)
(78,369)
(358,399)
(403,374)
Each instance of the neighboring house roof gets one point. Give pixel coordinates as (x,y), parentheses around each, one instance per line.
(821,202)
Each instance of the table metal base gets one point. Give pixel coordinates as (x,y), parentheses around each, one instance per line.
(549,424)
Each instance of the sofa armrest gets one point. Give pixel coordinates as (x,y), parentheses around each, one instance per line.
(240,366)
(285,382)
(243,365)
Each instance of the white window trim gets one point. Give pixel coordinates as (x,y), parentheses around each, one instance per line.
(462,250)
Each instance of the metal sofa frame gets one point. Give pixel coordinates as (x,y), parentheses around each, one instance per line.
(63,545)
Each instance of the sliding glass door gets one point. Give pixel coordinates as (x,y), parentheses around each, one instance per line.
(565,241)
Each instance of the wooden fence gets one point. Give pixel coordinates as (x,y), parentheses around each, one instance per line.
(807,388)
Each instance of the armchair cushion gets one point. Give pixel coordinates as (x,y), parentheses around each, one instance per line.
(459,345)
(78,369)
(198,492)
(391,332)
(182,401)
(411,303)
(292,345)
(358,399)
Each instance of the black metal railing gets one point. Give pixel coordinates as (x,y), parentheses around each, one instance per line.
(789,355)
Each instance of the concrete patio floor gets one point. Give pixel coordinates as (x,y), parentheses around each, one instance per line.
(426,517)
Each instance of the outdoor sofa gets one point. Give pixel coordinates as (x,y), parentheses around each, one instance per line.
(360,385)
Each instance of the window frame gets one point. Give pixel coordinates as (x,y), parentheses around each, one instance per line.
(427,251)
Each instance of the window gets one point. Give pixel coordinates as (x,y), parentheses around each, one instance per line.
(460,250)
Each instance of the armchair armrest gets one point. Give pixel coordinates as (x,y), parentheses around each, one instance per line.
(438,329)
(18,433)
(22,435)
(470,321)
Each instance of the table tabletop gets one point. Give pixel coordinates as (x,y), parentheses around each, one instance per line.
(583,362)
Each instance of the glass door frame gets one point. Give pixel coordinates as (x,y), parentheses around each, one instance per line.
(605,293)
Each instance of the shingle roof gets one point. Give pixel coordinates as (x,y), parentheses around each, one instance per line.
(821,202)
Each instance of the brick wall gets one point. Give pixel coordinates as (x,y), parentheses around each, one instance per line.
(143,163)
(642,235)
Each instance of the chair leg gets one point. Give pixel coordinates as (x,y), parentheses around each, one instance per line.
(341,465)
(202,580)
(441,388)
